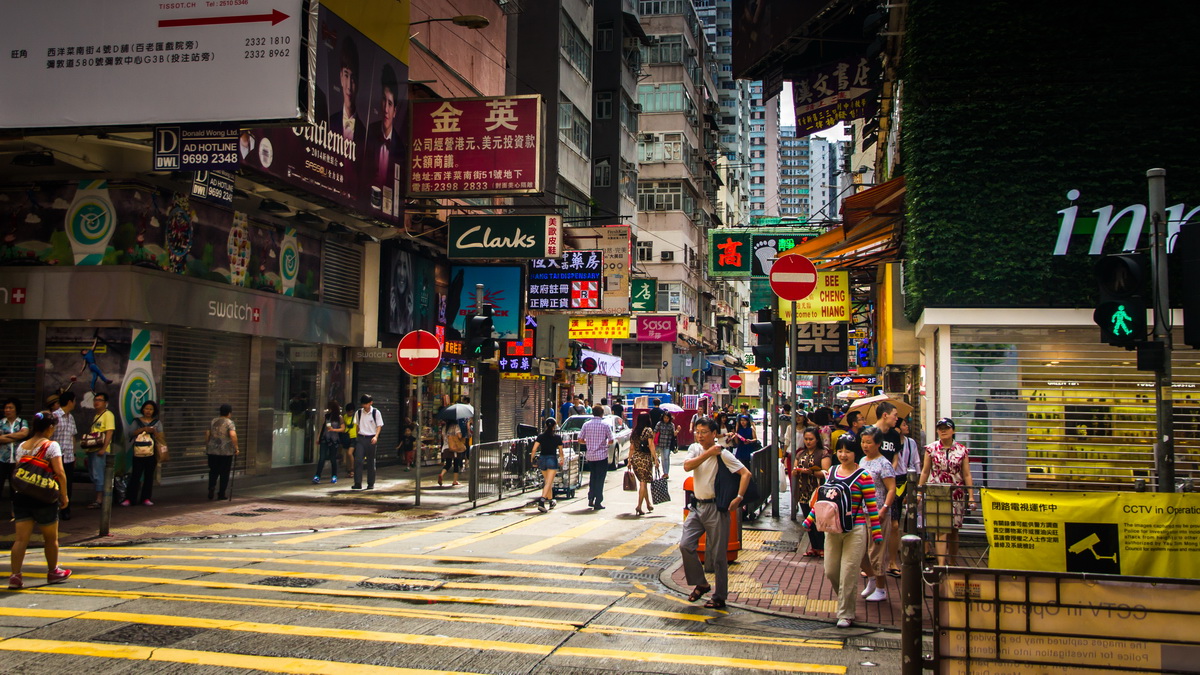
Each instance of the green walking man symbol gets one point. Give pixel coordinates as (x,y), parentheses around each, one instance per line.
(1120,322)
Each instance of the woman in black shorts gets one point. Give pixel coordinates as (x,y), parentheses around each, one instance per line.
(27,511)
(548,448)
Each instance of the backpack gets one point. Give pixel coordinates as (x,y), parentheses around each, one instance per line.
(833,510)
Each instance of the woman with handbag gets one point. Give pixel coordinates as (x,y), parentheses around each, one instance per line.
(453,449)
(811,469)
(331,441)
(13,430)
(221,446)
(747,442)
(29,509)
(147,439)
(548,448)
(643,460)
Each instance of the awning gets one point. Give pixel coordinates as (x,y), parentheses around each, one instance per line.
(606,364)
(870,232)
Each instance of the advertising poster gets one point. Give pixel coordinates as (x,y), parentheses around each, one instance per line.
(829,303)
(502,288)
(353,153)
(408,292)
(663,328)
(1130,533)
(615,243)
(571,282)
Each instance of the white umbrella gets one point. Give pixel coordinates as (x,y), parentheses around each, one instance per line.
(851,393)
(671,407)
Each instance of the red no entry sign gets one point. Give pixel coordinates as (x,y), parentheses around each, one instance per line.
(735,381)
(793,277)
(418,353)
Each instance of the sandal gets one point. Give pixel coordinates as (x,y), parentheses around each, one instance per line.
(894,573)
(713,603)
(810,553)
(94,505)
(698,592)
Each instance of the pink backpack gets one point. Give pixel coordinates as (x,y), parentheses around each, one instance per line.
(833,510)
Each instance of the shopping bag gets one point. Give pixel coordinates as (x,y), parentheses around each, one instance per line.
(659,492)
(629,482)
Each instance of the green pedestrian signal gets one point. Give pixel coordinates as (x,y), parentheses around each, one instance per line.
(1121,311)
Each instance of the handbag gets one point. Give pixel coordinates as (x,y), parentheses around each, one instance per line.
(455,443)
(143,444)
(629,482)
(34,477)
(659,492)
(92,441)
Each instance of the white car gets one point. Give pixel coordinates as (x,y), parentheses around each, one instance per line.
(618,450)
(756,415)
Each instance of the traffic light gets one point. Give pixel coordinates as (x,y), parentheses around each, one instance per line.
(1121,312)
(771,350)
(480,339)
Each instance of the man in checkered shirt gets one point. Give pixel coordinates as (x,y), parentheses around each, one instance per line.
(596,435)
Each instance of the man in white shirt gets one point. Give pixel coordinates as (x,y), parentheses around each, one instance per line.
(704,460)
(369,423)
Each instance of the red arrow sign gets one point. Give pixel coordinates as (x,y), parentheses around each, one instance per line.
(735,382)
(793,277)
(274,17)
(419,353)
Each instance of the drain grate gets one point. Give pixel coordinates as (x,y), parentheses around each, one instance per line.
(782,546)
(796,624)
(267,509)
(149,636)
(113,557)
(655,560)
(289,582)
(243,514)
(377,586)
(635,576)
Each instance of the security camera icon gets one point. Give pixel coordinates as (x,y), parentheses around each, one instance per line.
(1088,543)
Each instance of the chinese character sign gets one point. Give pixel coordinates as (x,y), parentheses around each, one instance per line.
(821,347)
(767,247)
(572,282)
(838,92)
(643,295)
(475,146)
(729,253)
(657,328)
(599,327)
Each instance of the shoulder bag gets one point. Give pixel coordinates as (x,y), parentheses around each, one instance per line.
(629,481)
(34,477)
(143,443)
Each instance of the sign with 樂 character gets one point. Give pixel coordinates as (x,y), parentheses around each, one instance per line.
(821,347)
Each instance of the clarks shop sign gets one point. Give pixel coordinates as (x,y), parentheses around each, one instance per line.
(1129,221)
(504,237)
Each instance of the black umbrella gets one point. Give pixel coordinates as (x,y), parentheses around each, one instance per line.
(456,412)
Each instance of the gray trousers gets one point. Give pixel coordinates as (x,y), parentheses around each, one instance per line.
(364,457)
(706,520)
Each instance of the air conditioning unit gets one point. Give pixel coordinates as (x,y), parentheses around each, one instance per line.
(647,138)
(691,51)
(667,256)
(637,107)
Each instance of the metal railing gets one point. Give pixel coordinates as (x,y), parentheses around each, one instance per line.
(503,468)
(760,469)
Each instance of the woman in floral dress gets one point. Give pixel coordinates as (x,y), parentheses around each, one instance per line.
(643,460)
(948,462)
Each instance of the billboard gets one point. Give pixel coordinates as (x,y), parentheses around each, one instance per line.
(476,146)
(141,64)
(504,237)
(615,242)
(502,287)
(837,92)
(572,282)
(353,153)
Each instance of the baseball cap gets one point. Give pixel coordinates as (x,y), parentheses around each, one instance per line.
(945,422)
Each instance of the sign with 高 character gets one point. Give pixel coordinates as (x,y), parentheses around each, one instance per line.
(821,347)
(643,295)
(572,282)
(729,253)
(475,146)
(521,237)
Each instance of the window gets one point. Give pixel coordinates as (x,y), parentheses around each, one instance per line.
(604,38)
(575,46)
(660,196)
(649,7)
(602,173)
(629,180)
(604,105)
(670,296)
(629,115)
(645,251)
(573,127)
(668,49)
(669,97)
(635,355)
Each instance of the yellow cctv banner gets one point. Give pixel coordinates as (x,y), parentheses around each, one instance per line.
(1150,534)
(829,302)
(598,327)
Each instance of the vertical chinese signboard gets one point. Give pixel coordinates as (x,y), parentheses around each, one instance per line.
(572,282)
(614,241)
(643,295)
(821,347)
(729,254)
(838,92)
(475,146)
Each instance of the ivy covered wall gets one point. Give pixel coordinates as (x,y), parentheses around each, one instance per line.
(1007,106)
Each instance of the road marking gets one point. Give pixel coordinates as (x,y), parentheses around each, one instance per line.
(563,538)
(670,550)
(66,550)
(436,527)
(270,664)
(314,537)
(713,637)
(483,536)
(666,596)
(710,662)
(633,545)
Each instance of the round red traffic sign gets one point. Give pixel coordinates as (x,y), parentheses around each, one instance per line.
(419,352)
(735,381)
(793,277)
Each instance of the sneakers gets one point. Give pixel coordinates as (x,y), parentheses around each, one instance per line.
(541,504)
(843,623)
(15,583)
(553,503)
(147,502)
(870,587)
(878,596)
(56,575)
(333,480)
(125,502)
(316,480)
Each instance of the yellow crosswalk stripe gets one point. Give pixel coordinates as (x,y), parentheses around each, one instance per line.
(304,539)
(268,664)
(436,527)
(632,546)
(711,662)
(483,536)
(564,538)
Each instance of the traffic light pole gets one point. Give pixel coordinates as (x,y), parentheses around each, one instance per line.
(477,420)
(1164,441)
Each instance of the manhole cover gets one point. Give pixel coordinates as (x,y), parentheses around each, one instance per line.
(149,636)
(635,576)
(289,582)
(875,643)
(796,624)
(113,557)
(784,546)
(267,509)
(655,560)
(408,588)
(244,514)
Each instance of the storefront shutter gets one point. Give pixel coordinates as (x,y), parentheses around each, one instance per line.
(18,379)
(521,402)
(202,370)
(341,274)
(384,382)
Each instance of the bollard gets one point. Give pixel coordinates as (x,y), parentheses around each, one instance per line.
(909,526)
(110,469)
(911,599)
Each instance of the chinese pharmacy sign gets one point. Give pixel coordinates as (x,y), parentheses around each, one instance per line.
(838,92)
(475,146)
(571,282)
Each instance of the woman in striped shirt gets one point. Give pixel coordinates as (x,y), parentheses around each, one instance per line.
(844,550)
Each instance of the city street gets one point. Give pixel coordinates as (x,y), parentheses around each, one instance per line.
(506,591)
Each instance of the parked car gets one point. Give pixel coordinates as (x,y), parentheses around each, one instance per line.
(756,415)
(618,450)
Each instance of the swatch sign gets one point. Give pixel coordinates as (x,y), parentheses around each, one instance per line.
(657,328)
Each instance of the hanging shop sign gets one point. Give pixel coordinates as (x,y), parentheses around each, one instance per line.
(662,328)
(603,364)
(616,244)
(821,347)
(829,303)
(475,146)
(837,92)
(728,253)
(591,327)
(737,252)
(573,282)
(643,295)
(504,237)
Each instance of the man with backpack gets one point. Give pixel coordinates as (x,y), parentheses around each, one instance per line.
(369,423)
(706,458)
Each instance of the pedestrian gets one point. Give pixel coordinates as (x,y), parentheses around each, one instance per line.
(28,511)
(65,432)
(844,550)
(221,446)
(596,435)
(811,468)
(666,433)
(747,439)
(13,430)
(406,449)
(581,406)
(548,448)
(604,404)
(908,459)
(348,438)
(642,460)
(618,409)
(948,462)
(454,449)
(567,409)
(147,436)
(706,517)
(103,423)
(548,411)
(883,475)
(369,422)
(656,411)
(331,441)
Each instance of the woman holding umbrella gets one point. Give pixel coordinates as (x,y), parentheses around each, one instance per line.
(454,444)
